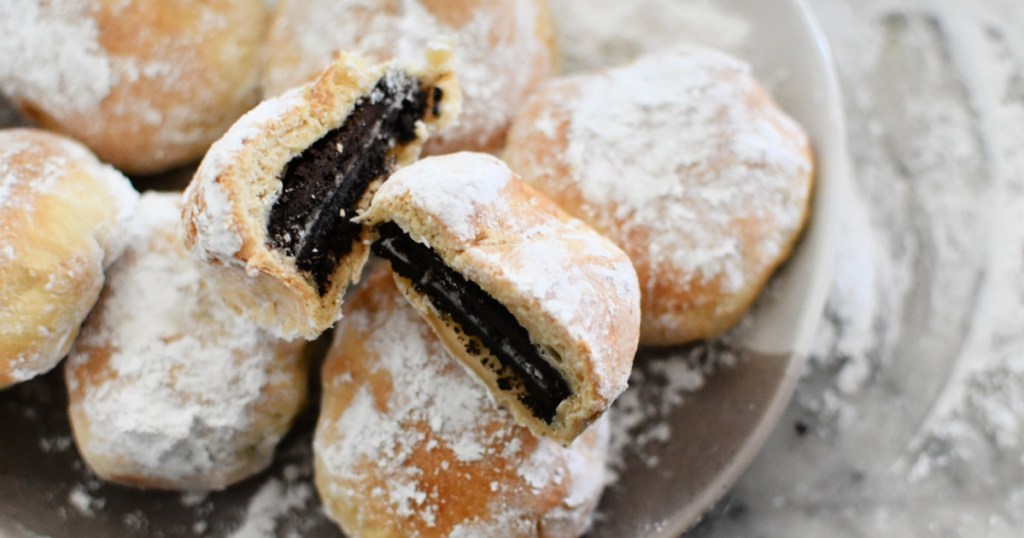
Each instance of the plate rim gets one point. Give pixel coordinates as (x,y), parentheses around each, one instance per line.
(828,199)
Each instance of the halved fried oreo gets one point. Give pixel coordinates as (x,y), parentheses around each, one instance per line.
(544,310)
(271,207)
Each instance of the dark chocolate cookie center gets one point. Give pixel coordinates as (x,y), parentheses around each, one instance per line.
(322,186)
(523,369)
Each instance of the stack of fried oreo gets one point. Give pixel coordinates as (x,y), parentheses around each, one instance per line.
(486,312)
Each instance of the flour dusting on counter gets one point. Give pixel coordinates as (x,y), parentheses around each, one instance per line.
(910,418)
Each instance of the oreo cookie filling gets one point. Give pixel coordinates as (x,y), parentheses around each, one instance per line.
(523,368)
(322,186)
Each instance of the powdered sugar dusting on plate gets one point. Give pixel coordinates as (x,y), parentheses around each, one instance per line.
(275,499)
(86,504)
(661,382)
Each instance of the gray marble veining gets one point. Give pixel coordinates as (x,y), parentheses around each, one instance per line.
(910,418)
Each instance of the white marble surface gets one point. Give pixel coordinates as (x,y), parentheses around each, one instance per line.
(910,418)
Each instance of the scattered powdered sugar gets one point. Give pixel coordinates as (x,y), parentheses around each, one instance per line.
(281,503)
(58,443)
(275,499)
(80,499)
(185,373)
(509,524)
(50,54)
(191,499)
(659,384)
(973,413)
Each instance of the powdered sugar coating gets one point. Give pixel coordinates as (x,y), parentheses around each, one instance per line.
(29,170)
(167,386)
(217,234)
(41,175)
(417,447)
(232,196)
(52,54)
(521,249)
(501,54)
(683,161)
(62,221)
(146,85)
(452,192)
(708,110)
(569,270)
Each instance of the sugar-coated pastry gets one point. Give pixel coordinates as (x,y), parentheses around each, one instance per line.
(542,308)
(63,217)
(270,209)
(167,387)
(505,49)
(147,85)
(685,162)
(409,445)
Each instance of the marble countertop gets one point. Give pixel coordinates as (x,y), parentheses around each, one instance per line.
(909,420)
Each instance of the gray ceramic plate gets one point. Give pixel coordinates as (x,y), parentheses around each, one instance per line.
(45,490)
